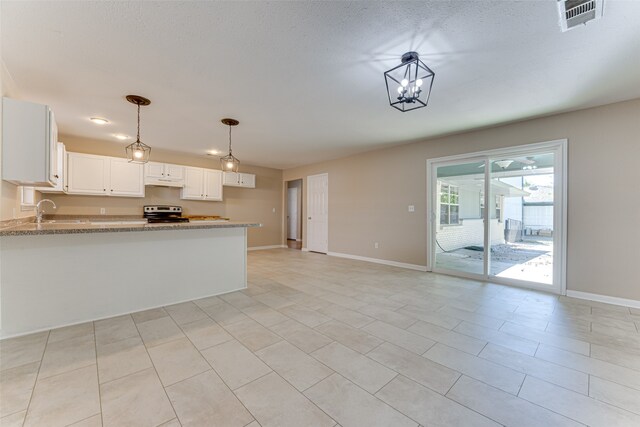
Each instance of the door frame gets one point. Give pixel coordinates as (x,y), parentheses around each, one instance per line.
(560,149)
(307,209)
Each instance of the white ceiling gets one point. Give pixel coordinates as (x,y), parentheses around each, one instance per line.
(305,78)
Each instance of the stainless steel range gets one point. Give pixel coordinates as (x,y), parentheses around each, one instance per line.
(164,213)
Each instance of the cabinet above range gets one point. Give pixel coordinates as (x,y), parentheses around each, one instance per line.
(164,174)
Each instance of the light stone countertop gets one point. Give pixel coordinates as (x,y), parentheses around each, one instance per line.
(113,226)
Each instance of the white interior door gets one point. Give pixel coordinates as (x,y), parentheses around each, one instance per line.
(292,213)
(318,213)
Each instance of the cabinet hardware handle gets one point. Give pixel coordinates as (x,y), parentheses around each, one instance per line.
(56,176)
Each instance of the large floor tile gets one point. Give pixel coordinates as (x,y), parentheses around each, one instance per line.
(251,334)
(547,371)
(264,315)
(576,406)
(494,336)
(67,355)
(206,400)
(363,371)
(64,399)
(400,337)
(224,313)
(206,333)
(615,394)
(115,329)
(275,403)
(272,300)
(420,369)
(428,407)
(16,385)
(177,360)
(294,365)
(239,300)
(13,420)
(351,337)
(185,312)
(344,315)
(235,364)
(532,334)
(623,357)
(430,316)
(304,315)
(445,336)
(599,368)
(471,317)
(121,358)
(387,316)
(95,421)
(491,373)
(147,315)
(159,331)
(135,400)
(351,406)
(504,408)
(303,337)
(73,331)
(22,350)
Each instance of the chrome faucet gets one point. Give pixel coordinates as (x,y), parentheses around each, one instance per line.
(39,212)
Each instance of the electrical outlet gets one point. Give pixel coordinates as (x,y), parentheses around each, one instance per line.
(376,245)
(103,211)
(412,208)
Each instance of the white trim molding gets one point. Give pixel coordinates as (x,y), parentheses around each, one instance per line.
(262,248)
(380,261)
(604,298)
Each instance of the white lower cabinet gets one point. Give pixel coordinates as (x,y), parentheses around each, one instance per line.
(238,179)
(104,176)
(202,184)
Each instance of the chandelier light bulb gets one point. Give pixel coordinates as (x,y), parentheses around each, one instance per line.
(229,165)
(138,154)
(400,89)
(404,82)
(419,82)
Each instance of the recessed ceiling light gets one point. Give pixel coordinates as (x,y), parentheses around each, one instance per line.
(99,120)
(121,136)
(213,152)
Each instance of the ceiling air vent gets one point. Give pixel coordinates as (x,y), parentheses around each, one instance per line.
(574,13)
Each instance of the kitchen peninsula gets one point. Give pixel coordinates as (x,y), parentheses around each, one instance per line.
(61,273)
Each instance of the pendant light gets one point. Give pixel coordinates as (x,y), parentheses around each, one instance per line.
(229,162)
(409,84)
(138,152)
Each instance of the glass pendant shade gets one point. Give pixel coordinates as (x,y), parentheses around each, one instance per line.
(138,152)
(229,163)
(409,84)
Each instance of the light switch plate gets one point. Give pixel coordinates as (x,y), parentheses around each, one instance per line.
(412,208)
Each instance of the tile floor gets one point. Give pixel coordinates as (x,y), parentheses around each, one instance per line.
(321,341)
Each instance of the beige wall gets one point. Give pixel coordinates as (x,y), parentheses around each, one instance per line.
(239,203)
(369,193)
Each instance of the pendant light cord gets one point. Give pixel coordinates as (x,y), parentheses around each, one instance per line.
(229,139)
(138,138)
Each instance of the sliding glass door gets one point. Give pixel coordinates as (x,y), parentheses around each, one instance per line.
(500,216)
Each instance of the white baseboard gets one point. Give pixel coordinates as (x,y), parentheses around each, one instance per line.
(304,250)
(604,298)
(262,248)
(380,261)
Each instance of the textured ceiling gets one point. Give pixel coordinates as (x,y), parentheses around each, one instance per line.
(305,78)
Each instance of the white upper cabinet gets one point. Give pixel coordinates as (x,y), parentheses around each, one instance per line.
(104,176)
(61,167)
(125,178)
(238,179)
(202,184)
(29,144)
(163,174)
(212,184)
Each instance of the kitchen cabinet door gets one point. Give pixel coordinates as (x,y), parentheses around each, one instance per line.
(174,171)
(231,179)
(29,144)
(88,174)
(212,184)
(247,180)
(193,184)
(61,167)
(154,170)
(125,179)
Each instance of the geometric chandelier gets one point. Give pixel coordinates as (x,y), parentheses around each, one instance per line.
(409,84)
(230,163)
(138,152)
